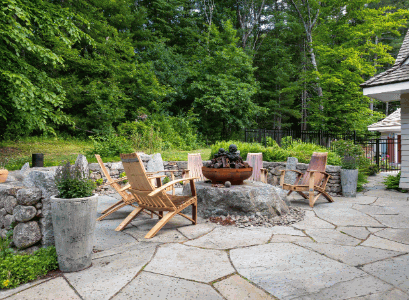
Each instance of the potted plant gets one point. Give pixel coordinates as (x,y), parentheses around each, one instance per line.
(74,213)
(3,171)
(349,176)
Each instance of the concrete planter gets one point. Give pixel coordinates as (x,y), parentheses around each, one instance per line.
(349,181)
(74,224)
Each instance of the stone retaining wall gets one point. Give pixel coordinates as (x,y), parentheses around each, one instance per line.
(116,168)
(25,207)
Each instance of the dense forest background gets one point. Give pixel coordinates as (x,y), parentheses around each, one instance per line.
(200,71)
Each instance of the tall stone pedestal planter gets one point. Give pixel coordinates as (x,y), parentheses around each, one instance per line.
(349,181)
(74,226)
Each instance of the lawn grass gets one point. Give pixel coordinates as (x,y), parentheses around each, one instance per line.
(56,150)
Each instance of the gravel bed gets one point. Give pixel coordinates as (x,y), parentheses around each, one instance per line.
(295,215)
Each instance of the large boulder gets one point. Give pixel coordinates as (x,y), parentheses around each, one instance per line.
(26,234)
(29,196)
(44,180)
(24,213)
(246,199)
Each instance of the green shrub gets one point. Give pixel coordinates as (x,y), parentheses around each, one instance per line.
(347,148)
(302,151)
(72,182)
(362,179)
(16,269)
(110,145)
(141,135)
(99,181)
(392,182)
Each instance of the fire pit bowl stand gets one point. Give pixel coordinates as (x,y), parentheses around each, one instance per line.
(235,176)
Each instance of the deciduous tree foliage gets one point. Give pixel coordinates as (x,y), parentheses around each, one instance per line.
(89,66)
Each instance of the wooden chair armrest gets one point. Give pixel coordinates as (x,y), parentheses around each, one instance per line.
(163,187)
(322,172)
(156,176)
(164,171)
(125,188)
(299,172)
(115,181)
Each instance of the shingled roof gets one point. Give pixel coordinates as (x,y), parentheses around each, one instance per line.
(390,123)
(398,73)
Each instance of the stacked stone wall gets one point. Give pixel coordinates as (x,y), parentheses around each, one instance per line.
(274,174)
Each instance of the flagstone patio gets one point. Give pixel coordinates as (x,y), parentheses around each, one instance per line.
(352,248)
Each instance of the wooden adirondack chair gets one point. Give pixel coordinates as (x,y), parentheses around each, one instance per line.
(255,160)
(127,199)
(155,199)
(194,167)
(314,179)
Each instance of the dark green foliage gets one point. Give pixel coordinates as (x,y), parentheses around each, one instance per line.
(72,182)
(392,182)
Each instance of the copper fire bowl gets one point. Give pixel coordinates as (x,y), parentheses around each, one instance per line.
(235,176)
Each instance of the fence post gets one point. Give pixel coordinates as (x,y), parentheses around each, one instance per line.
(320,136)
(377,153)
(265,137)
(354,137)
(245,135)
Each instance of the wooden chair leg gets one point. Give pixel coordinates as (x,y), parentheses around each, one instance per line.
(312,199)
(129,218)
(112,211)
(302,194)
(112,206)
(327,196)
(160,224)
(289,193)
(194,213)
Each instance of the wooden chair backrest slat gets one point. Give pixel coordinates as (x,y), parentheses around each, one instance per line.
(135,172)
(115,185)
(255,160)
(194,165)
(318,162)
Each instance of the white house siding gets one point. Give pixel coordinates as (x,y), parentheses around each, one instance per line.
(404,179)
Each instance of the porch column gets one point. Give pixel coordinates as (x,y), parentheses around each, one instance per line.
(404,179)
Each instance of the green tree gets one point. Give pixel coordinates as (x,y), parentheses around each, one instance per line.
(31,99)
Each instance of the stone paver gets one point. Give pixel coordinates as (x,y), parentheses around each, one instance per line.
(235,287)
(203,265)
(350,255)
(280,238)
(311,221)
(354,248)
(356,232)
(288,271)
(394,221)
(331,236)
(393,294)
(106,237)
(192,232)
(375,210)
(397,235)
(149,286)
(286,230)
(394,271)
(359,199)
(232,237)
(52,289)
(377,242)
(109,274)
(356,287)
(341,215)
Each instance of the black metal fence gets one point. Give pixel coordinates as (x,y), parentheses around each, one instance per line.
(318,137)
(385,153)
